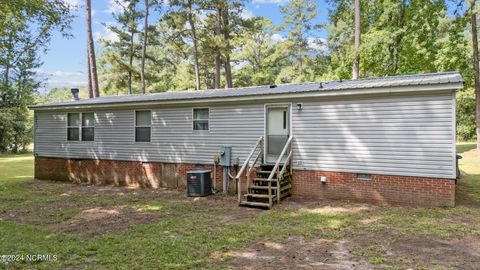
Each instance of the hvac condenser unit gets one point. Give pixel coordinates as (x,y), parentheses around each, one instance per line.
(199,183)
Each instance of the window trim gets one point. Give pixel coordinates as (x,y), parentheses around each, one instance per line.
(193,120)
(80,127)
(135,125)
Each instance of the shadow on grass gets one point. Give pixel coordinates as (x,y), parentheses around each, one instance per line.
(468,186)
(465,146)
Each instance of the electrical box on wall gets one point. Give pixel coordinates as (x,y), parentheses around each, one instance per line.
(226,156)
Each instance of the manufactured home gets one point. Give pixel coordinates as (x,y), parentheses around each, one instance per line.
(384,140)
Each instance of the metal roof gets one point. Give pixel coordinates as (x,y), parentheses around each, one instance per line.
(389,81)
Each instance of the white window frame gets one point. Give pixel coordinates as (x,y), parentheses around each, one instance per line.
(135,125)
(193,120)
(80,127)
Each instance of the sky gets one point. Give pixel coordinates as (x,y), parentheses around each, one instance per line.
(65,63)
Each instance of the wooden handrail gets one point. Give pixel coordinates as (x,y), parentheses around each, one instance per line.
(245,165)
(287,161)
(275,170)
(287,144)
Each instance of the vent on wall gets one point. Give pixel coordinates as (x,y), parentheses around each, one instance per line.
(364,176)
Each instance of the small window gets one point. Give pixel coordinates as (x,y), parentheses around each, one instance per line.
(200,119)
(364,176)
(143,120)
(73,126)
(88,126)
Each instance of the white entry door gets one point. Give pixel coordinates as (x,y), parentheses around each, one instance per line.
(277,131)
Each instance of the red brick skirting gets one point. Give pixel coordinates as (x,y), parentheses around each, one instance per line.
(120,173)
(381,189)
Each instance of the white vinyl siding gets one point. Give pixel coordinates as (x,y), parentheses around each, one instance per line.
(394,135)
(172,138)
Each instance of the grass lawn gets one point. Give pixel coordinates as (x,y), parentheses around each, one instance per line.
(90,227)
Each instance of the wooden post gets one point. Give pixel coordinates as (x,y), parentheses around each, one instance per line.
(270,202)
(278,184)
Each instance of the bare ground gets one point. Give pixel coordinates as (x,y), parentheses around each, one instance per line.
(69,214)
(419,251)
(72,211)
(298,253)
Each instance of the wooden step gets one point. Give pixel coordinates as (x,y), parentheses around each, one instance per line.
(264,179)
(254,195)
(255,204)
(262,187)
(263,172)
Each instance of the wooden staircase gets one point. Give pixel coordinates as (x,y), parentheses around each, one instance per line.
(272,183)
(264,193)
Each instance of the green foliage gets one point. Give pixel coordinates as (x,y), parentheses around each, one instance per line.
(298,18)
(25,31)
(398,37)
(466,115)
(120,57)
(58,95)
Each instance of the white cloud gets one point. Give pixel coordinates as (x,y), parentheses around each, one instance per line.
(247,14)
(276,38)
(277,2)
(105,34)
(72,3)
(64,83)
(60,78)
(318,44)
(59,73)
(115,6)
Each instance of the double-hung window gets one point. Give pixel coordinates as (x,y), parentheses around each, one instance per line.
(73,126)
(88,127)
(80,127)
(143,123)
(200,119)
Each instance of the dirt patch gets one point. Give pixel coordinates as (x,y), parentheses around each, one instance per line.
(95,210)
(418,251)
(101,220)
(297,253)
(42,214)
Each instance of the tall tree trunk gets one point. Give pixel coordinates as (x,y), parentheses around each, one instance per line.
(130,62)
(398,38)
(91,50)
(144,48)
(356,61)
(89,85)
(226,33)
(6,80)
(228,71)
(300,56)
(193,33)
(218,62)
(476,69)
